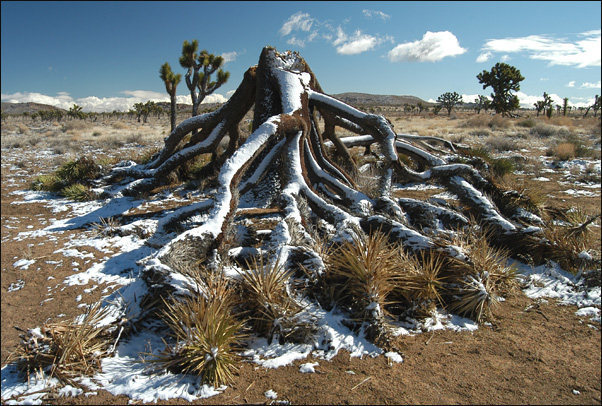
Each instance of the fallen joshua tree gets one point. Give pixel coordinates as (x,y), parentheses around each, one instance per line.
(378,256)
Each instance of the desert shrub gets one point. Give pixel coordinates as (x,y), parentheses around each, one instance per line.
(134,138)
(502,166)
(119,125)
(500,144)
(546,130)
(498,122)
(527,123)
(476,121)
(74,125)
(481,132)
(564,151)
(70,179)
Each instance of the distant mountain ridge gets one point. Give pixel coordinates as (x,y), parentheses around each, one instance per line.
(20,108)
(367,99)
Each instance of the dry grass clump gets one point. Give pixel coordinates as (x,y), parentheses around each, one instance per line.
(207,337)
(65,350)
(501,143)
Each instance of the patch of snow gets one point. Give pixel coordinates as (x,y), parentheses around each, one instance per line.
(308,368)
(270,394)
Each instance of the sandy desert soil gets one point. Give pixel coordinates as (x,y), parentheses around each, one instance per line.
(536,351)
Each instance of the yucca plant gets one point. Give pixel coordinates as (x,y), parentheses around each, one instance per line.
(265,289)
(49,183)
(365,268)
(77,192)
(65,350)
(476,296)
(420,280)
(207,339)
(105,227)
(77,171)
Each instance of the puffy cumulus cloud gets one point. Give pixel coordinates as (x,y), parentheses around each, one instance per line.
(582,52)
(470,98)
(484,57)
(376,13)
(298,21)
(103,104)
(229,56)
(589,85)
(571,84)
(433,47)
(356,43)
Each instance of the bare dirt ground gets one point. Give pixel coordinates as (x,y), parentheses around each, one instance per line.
(536,352)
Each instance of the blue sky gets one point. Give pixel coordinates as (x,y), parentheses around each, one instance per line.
(106,55)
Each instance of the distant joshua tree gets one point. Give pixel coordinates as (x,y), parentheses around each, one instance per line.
(565,105)
(200,68)
(503,79)
(76,112)
(171,81)
(482,103)
(544,105)
(448,100)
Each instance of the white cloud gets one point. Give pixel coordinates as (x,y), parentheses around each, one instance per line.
(505,58)
(298,21)
(103,104)
(229,56)
(433,47)
(357,43)
(583,52)
(376,13)
(571,84)
(296,42)
(589,85)
(484,57)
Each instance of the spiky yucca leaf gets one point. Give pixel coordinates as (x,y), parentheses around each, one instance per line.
(68,349)
(207,339)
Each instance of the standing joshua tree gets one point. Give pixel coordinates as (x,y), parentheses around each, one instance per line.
(200,68)
(171,81)
(481,103)
(503,79)
(449,100)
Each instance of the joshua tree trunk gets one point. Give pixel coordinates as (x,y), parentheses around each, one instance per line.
(289,164)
